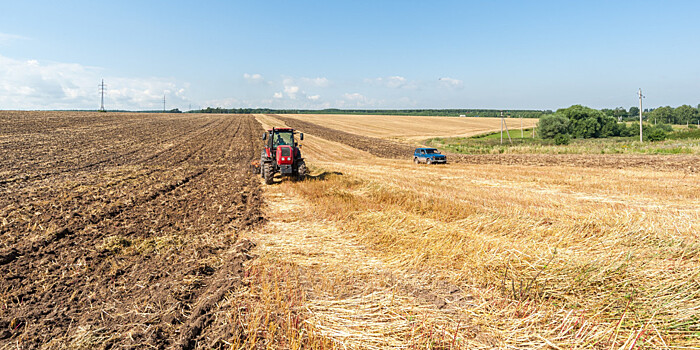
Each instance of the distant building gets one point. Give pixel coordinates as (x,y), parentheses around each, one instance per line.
(462,115)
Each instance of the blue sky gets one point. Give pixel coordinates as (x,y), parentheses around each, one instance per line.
(348,54)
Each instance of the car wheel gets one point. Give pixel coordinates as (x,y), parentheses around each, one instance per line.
(415,160)
(428,161)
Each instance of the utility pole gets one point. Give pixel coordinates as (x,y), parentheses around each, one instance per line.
(522,132)
(102,95)
(503,123)
(163,103)
(501,127)
(640,114)
(507,132)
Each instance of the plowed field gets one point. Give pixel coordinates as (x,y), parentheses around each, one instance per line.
(153,231)
(121,229)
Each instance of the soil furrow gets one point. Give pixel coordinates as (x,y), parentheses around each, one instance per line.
(142,253)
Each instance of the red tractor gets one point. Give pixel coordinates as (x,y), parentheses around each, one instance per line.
(281,154)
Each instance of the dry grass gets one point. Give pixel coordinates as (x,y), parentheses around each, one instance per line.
(490,255)
(412,128)
(620,268)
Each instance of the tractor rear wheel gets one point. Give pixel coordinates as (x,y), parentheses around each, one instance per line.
(302,171)
(267,173)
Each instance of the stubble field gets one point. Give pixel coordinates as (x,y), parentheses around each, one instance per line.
(133,230)
(412,128)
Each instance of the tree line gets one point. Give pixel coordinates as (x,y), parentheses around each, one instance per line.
(684,114)
(417,112)
(583,122)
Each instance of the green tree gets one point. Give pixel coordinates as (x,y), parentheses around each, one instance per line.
(619,113)
(634,112)
(663,115)
(585,122)
(684,114)
(552,125)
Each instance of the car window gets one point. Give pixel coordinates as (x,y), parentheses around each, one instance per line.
(422,151)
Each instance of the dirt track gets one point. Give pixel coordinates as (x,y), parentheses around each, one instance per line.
(388,149)
(120,229)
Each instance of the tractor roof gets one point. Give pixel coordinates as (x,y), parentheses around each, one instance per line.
(282,129)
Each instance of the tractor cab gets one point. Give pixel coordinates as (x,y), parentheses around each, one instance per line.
(281,137)
(281,154)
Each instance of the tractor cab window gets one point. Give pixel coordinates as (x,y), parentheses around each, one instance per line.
(283,138)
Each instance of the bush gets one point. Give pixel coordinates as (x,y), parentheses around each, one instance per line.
(624,131)
(646,129)
(550,126)
(656,134)
(664,127)
(692,126)
(562,139)
(685,134)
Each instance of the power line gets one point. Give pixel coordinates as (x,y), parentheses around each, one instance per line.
(102,95)
(503,123)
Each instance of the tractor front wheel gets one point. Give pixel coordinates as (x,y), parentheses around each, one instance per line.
(267,173)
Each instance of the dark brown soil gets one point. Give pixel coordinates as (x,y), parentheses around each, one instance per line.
(389,149)
(120,230)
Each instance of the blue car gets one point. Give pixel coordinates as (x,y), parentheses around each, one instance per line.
(428,156)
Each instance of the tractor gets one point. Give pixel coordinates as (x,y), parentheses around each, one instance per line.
(282,155)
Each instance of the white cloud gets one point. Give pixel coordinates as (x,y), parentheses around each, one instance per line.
(291,91)
(358,100)
(450,82)
(54,85)
(254,78)
(314,97)
(6,38)
(393,82)
(278,95)
(317,82)
(230,102)
(355,96)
